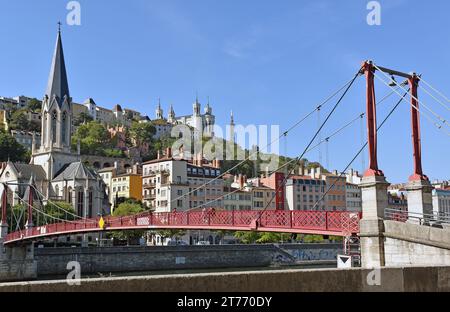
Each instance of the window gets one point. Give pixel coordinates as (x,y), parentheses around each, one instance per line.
(54,119)
(69,193)
(180,192)
(91,201)
(80,203)
(64,128)
(179,203)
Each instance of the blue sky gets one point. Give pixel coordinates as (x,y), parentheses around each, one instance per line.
(268,61)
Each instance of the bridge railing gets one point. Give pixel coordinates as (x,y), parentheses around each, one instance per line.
(342,223)
(420,218)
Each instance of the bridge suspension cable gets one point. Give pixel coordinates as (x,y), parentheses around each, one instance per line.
(430,119)
(285,133)
(41,196)
(215,200)
(46,214)
(300,157)
(335,133)
(58,207)
(308,148)
(359,152)
(440,118)
(435,90)
(436,99)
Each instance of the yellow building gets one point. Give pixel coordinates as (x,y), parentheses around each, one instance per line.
(128,185)
(262,198)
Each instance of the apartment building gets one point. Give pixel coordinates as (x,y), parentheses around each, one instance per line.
(25,138)
(206,191)
(303,192)
(127,185)
(171,184)
(237,200)
(263,198)
(337,191)
(353,197)
(441,200)
(273,182)
(107,174)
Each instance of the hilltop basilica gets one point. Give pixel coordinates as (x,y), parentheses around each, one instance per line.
(55,170)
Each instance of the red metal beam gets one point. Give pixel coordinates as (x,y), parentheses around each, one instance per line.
(371,104)
(415,126)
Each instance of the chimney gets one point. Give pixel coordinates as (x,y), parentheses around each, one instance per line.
(169,152)
(301,170)
(335,172)
(116,165)
(241,181)
(267,171)
(136,168)
(313,173)
(159,155)
(319,173)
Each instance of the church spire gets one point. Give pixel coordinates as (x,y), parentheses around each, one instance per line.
(57,81)
(159,111)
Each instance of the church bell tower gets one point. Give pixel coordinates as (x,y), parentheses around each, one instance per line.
(56,120)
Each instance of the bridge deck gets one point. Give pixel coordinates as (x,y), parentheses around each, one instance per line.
(300,222)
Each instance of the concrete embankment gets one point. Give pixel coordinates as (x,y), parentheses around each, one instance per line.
(19,263)
(53,261)
(408,279)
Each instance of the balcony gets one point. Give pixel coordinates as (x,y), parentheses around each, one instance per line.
(151,173)
(150,197)
(175,183)
(149,185)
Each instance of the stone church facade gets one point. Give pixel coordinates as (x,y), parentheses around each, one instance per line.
(56,171)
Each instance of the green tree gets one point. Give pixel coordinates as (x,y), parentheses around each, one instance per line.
(19,121)
(34,105)
(93,137)
(11,149)
(58,210)
(269,238)
(111,152)
(128,208)
(248,237)
(34,126)
(82,119)
(142,133)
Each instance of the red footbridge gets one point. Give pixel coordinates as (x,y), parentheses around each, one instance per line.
(299,222)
